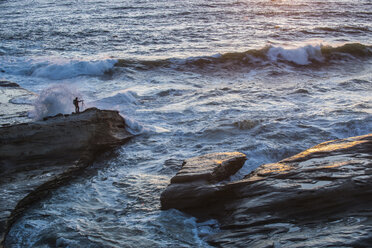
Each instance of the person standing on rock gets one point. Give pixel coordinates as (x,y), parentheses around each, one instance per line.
(76,103)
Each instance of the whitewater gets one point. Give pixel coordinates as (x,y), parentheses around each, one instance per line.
(266,78)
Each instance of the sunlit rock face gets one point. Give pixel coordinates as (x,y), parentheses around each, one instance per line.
(318,198)
(36,157)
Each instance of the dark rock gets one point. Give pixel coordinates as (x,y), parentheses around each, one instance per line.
(39,156)
(245,124)
(9,84)
(195,183)
(301,91)
(318,198)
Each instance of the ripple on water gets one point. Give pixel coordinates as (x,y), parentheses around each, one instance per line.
(115,208)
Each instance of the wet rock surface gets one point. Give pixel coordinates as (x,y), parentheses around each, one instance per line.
(198,180)
(318,198)
(39,156)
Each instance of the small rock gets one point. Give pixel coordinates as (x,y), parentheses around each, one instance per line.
(8,84)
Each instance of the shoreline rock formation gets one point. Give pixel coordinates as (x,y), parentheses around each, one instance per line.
(38,156)
(198,180)
(318,198)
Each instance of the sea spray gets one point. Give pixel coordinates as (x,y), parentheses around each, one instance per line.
(54,100)
(300,56)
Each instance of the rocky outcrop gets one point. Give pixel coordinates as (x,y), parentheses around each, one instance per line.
(36,157)
(318,198)
(197,181)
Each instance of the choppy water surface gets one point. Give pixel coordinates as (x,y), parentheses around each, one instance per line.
(267,78)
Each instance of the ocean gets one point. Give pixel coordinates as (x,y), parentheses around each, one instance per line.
(268,78)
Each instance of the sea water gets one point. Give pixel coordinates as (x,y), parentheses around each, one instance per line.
(266,78)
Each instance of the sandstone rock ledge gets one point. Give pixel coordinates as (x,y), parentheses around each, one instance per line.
(318,198)
(39,156)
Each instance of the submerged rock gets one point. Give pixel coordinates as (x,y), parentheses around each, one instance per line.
(36,157)
(318,198)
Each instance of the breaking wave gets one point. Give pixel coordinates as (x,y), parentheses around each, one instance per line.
(57,70)
(74,68)
(122,97)
(268,55)
(305,55)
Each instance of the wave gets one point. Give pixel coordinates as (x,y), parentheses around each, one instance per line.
(74,69)
(355,50)
(57,70)
(345,29)
(301,56)
(122,97)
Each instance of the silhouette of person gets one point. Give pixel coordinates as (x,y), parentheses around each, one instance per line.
(76,103)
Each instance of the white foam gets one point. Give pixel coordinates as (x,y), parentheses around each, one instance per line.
(192,225)
(28,100)
(157,129)
(208,227)
(301,55)
(134,127)
(125,101)
(54,100)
